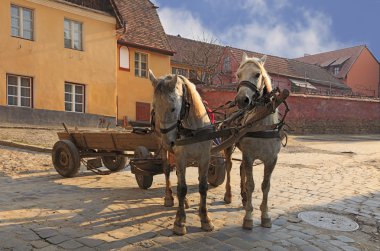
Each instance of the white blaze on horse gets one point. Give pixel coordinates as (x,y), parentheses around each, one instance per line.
(254,82)
(178,105)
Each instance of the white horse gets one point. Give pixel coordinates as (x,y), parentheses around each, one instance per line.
(178,106)
(254,81)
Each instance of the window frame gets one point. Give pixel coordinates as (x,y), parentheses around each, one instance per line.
(138,64)
(19,87)
(21,22)
(73,97)
(72,32)
(180,71)
(120,58)
(336,70)
(227,64)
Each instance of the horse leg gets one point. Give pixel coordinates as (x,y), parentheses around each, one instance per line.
(228,155)
(249,186)
(169,200)
(180,220)
(206,223)
(265,187)
(243,191)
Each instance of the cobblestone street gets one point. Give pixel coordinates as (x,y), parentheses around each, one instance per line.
(338,174)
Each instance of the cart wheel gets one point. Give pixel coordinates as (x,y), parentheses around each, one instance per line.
(114,163)
(144,181)
(217,170)
(66,159)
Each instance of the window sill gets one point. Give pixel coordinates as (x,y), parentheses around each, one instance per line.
(27,39)
(74,49)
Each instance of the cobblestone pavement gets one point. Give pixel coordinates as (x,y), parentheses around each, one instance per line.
(43,211)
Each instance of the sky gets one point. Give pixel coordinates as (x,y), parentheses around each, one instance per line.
(286,28)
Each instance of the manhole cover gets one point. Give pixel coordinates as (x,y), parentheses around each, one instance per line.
(328,221)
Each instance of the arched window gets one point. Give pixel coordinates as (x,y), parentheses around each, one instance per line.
(124,57)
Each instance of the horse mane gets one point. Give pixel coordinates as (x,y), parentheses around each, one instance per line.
(264,73)
(196,99)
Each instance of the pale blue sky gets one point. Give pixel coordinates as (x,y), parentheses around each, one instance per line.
(286,28)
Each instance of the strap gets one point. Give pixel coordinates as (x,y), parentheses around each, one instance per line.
(204,136)
(263,134)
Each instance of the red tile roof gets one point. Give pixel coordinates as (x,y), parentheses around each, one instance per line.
(143,27)
(328,58)
(194,53)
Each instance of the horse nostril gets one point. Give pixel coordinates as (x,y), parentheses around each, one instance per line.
(246,101)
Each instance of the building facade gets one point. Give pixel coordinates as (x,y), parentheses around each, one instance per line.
(77,61)
(355,66)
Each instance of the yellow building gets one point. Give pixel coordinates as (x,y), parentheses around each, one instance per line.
(60,60)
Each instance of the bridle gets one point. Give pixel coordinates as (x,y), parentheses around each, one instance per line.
(185,107)
(257,92)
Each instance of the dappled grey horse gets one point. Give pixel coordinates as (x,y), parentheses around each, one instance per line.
(253,81)
(178,105)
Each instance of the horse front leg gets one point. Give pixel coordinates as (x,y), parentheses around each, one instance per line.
(265,187)
(228,156)
(243,191)
(249,186)
(206,223)
(180,220)
(169,200)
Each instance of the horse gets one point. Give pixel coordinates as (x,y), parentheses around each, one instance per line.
(178,107)
(253,82)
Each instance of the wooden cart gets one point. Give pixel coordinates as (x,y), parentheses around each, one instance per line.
(112,148)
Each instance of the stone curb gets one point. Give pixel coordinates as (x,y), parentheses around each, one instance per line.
(23,146)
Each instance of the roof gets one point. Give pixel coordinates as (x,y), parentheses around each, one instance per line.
(273,64)
(195,53)
(315,74)
(345,57)
(99,5)
(142,25)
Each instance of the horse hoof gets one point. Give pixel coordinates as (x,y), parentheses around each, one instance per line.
(169,202)
(179,230)
(244,203)
(266,222)
(227,199)
(207,226)
(248,224)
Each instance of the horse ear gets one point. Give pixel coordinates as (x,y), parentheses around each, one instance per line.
(245,57)
(263,59)
(173,81)
(152,78)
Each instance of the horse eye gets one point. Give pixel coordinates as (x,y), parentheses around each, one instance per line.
(257,75)
(173,110)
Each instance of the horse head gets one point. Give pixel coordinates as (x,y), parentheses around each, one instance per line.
(167,105)
(253,79)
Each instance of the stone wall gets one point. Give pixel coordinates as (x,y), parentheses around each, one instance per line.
(319,114)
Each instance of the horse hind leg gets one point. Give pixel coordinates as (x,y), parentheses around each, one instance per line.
(228,155)
(249,187)
(180,220)
(265,187)
(206,223)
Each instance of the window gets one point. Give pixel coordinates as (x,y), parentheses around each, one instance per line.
(141,65)
(336,70)
(180,71)
(193,74)
(227,64)
(73,34)
(21,22)
(19,91)
(124,57)
(74,97)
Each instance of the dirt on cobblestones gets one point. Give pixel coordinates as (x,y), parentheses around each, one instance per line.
(41,210)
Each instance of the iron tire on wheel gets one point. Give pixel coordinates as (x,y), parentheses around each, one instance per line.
(66,159)
(143,181)
(114,163)
(217,170)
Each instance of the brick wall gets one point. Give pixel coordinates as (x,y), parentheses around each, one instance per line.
(319,114)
